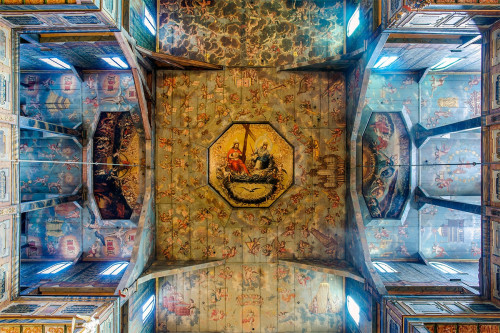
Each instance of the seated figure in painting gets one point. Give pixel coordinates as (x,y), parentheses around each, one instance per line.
(234,159)
(248,176)
(261,157)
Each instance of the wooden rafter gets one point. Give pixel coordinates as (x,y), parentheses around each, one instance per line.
(139,81)
(177,62)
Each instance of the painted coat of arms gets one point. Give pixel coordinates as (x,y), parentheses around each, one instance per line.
(251,165)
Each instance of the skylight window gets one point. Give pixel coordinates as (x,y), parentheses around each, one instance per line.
(55,268)
(383,267)
(116,62)
(444,268)
(149,22)
(148,307)
(115,269)
(353,23)
(55,62)
(445,63)
(353,309)
(385,61)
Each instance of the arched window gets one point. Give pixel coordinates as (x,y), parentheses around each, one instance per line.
(382,267)
(444,268)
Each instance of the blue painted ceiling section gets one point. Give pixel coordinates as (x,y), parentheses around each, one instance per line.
(84,55)
(444,171)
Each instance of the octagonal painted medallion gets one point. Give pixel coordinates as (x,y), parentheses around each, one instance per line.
(251,165)
(386,165)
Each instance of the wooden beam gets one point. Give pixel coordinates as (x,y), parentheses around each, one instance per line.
(421,198)
(165,61)
(166,268)
(377,49)
(42,126)
(76,291)
(422,134)
(470,40)
(430,39)
(335,267)
(31,38)
(422,74)
(77,38)
(78,72)
(167,58)
(77,34)
(132,61)
(146,63)
(50,202)
(338,62)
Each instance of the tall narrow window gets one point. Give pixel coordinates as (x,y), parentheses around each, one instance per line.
(149,22)
(353,22)
(55,268)
(353,309)
(148,308)
(382,267)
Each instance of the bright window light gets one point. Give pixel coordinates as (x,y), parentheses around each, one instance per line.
(383,267)
(115,268)
(120,62)
(444,268)
(55,268)
(445,63)
(385,61)
(55,62)
(116,62)
(148,307)
(353,309)
(353,22)
(149,22)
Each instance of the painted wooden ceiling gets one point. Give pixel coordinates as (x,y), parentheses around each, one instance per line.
(84,55)
(419,56)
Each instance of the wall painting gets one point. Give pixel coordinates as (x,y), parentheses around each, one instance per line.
(495,187)
(495,143)
(386,160)
(495,57)
(116,146)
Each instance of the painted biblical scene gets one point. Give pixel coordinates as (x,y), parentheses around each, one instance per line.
(117,180)
(251,298)
(386,160)
(251,165)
